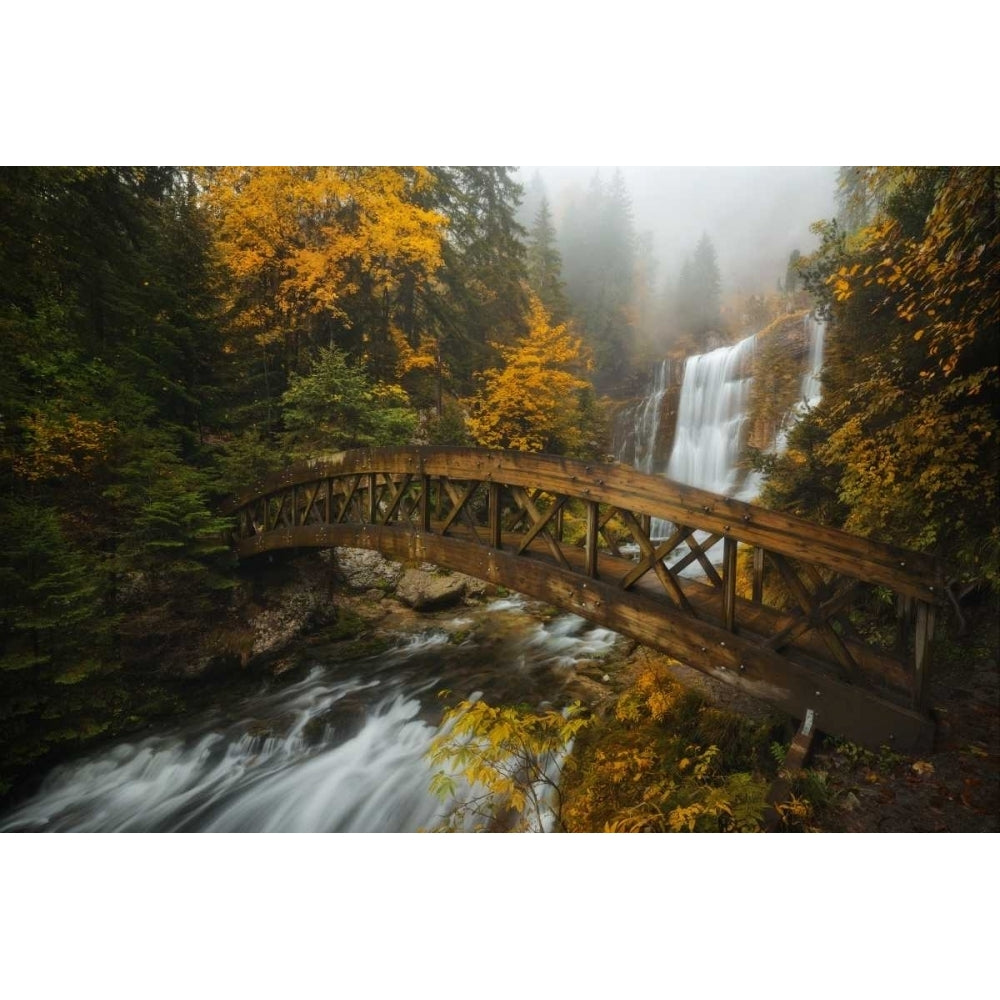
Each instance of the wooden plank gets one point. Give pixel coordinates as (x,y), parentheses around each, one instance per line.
(372,497)
(654,560)
(527,503)
(540,525)
(458,504)
(698,549)
(425,503)
(396,497)
(814,614)
(609,537)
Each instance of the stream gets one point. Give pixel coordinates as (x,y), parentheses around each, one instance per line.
(342,748)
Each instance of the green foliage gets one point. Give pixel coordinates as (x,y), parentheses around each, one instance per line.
(508,757)
(338,406)
(698,303)
(544,264)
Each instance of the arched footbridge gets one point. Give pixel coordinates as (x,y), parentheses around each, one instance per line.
(630,551)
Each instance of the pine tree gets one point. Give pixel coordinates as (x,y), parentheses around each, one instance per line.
(544,264)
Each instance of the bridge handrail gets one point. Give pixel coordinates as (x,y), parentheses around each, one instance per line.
(913,574)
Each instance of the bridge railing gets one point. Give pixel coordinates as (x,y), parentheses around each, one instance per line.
(790,593)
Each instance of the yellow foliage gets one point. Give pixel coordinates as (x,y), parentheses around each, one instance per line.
(297,240)
(506,756)
(533,402)
(63,446)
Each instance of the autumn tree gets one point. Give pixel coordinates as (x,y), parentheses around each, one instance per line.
(539,400)
(319,256)
(904,440)
(498,766)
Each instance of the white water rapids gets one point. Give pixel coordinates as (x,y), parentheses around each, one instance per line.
(341,749)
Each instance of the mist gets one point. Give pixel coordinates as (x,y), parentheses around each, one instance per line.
(754,216)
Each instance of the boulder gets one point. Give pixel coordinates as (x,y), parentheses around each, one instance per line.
(364,569)
(425,591)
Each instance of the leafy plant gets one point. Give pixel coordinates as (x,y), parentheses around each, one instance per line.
(499,766)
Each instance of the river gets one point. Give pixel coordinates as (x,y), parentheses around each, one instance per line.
(341,747)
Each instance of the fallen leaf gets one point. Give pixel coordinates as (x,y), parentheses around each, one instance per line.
(923,767)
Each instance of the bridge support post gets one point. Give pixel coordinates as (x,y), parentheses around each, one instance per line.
(372,497)
(758,575)
(494,515)
(922,652)
(591,538)
(425,503)
(795,760)
(729,583)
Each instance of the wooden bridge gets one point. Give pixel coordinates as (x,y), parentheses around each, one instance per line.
(771,618)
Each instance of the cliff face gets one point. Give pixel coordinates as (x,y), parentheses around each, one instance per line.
(779,360)
(643,426)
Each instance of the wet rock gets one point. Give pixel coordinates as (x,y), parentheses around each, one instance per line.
(425,591)
(364,570)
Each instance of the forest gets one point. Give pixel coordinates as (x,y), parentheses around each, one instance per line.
(173,333)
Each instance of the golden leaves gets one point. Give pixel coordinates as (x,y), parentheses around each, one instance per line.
(532,404)
(297,241)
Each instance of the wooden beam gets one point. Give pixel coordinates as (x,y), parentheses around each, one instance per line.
(592,531)
(922,651)
(757,592)
(654,561)
(425,503)
(495,537)
(729,583)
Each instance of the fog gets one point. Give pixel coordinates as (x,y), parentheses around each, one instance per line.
(754,216)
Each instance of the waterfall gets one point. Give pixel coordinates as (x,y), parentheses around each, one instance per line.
(647,419)
(709,440)
(810,387)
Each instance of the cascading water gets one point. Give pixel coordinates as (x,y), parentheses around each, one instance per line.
(647,419)
(709,438)
(342,749)
(810,388)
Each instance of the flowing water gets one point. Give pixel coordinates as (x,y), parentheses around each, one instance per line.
(709,441)
(341,749)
